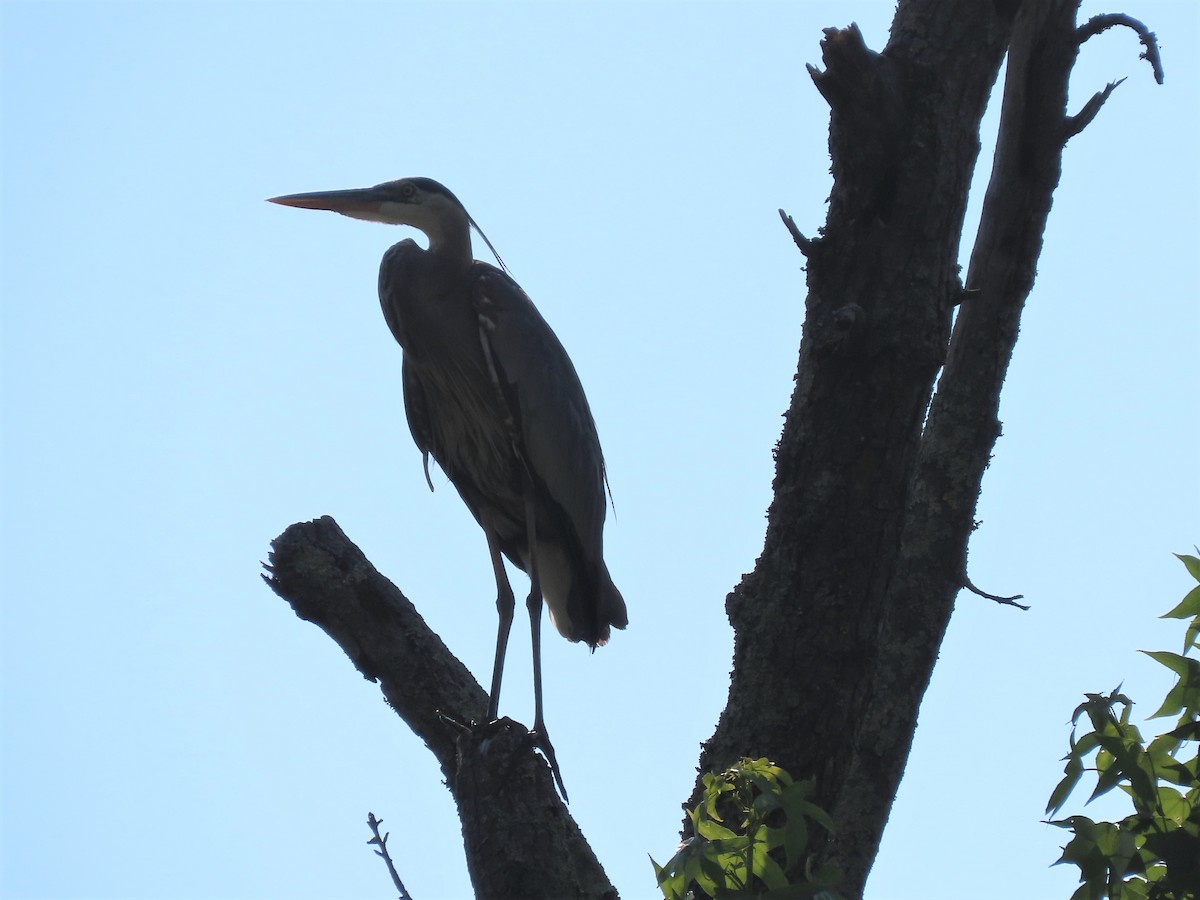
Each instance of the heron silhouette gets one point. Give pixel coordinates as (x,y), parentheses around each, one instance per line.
(492,396)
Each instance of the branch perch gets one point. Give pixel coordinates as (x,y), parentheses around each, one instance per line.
(329,582)
(520,839)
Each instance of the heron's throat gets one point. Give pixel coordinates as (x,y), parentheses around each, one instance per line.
(446,227)
(449,243)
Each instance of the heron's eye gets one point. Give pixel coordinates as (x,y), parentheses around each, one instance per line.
(407,190)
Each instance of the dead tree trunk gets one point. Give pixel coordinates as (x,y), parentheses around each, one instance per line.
(839,625)
(877,478)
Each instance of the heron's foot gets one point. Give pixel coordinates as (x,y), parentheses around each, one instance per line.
(541,740)
(481,730)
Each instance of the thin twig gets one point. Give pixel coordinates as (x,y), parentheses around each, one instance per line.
(1007,601)
(1097,24)
(374,823)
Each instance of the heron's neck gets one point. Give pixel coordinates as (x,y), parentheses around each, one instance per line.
(451,242)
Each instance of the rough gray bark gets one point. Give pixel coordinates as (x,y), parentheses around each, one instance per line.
(877,474)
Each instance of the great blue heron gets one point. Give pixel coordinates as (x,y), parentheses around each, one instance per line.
(491,394)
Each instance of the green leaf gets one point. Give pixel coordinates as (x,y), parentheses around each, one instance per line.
(669,880)
(1143,786)
(1188,731)
(767,869)
(1185,695)
(1155,873)
(1078,824)
(1153,853)
(795,840)
(1135,889)
(1174,805)
(765,804)
(1163,746)
(1191,638)
(1085,745)
(1180,665)
(812,811)
(707,810)
(712,876)
(1192,564)
(1124,848)
(714,831)
(1109,777)
(1074,769)
(735,854)
(1187,608)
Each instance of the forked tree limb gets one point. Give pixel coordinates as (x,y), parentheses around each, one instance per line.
(840,623)
(962,426)
(883,284)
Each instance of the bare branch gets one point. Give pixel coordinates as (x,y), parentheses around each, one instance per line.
(802,242)
(1098,24)
(1007,601)
(1072,125)
(381,842)
(520,839)
(851,67)
(329,582)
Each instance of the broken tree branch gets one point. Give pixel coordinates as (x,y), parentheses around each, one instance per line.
(520,839)
(1098,24)
(1072,125)
(802,242)
(1004,601)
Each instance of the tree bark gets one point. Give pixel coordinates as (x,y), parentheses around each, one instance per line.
(839,625)
(883,284)
(877,475)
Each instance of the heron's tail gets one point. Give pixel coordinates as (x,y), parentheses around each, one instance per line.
(611,609)
(584,603)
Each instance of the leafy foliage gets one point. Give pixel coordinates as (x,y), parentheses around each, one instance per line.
(1154,853)
(752,838)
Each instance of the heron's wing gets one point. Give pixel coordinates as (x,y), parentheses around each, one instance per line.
(416,409)
(546,400)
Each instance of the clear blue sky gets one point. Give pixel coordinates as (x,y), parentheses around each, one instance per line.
(187,370)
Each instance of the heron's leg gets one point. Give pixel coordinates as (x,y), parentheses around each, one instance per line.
(534,605)
(505,603)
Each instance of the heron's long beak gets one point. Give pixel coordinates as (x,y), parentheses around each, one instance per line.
(359,203)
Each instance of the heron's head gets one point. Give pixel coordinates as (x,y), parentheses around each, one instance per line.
(419,202)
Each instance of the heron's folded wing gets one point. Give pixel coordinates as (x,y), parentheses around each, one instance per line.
(415,410)
(547,401)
